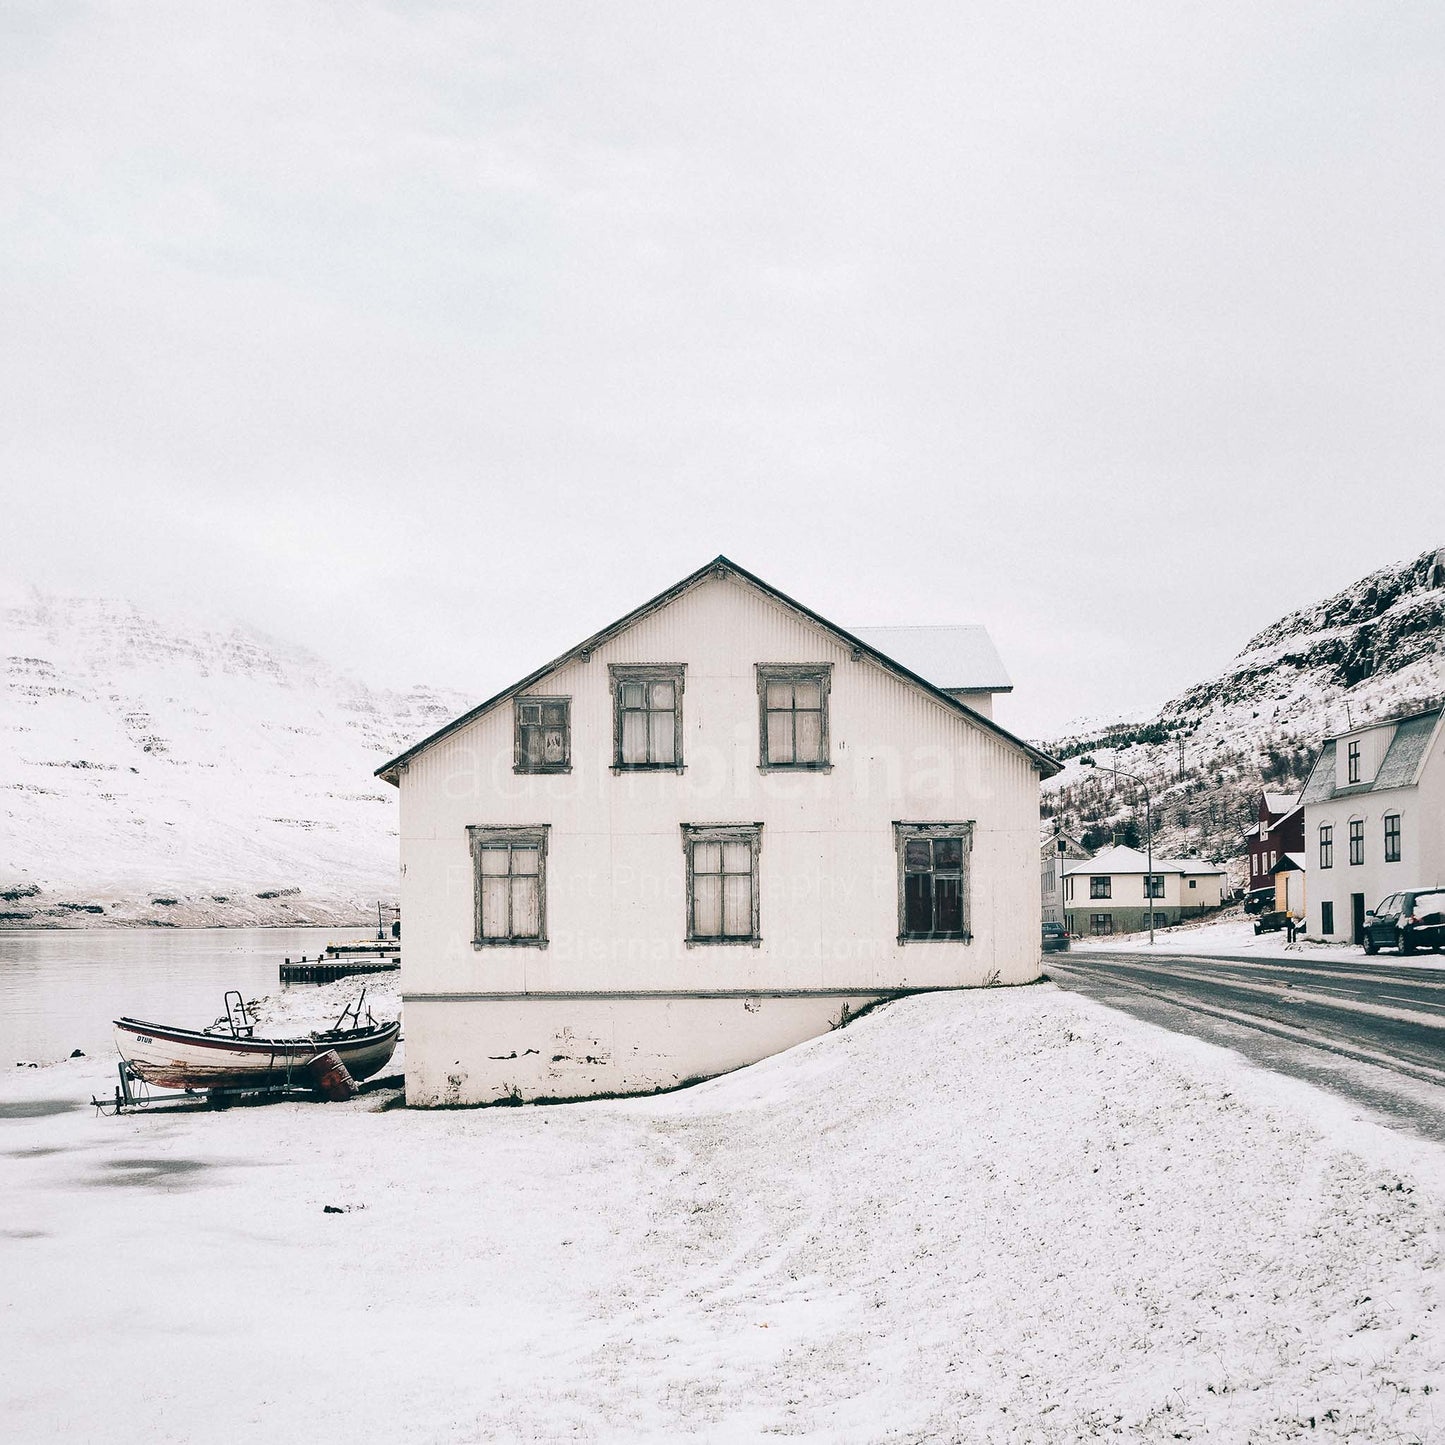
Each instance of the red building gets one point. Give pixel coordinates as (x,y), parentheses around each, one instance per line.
(1280,830)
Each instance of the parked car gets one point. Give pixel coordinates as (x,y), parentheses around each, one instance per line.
(1271,922)
(1409,921)
(1056,940)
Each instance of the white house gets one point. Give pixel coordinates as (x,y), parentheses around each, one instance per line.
(1115,891)
(702,835)
(1374,820)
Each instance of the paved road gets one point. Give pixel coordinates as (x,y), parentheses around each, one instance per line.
(1373,1031)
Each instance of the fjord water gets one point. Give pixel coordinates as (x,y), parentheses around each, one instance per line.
(60,988)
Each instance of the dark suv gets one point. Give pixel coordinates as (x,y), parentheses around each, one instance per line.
(1055,939)
(1407,921)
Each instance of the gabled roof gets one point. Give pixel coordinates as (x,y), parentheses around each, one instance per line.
(722,567)
(1121,859)
(1278,803)
(961,656)
(1399,768)
(1290,863)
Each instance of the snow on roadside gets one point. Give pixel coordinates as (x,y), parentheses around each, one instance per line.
(1007,1215)
(1236,935)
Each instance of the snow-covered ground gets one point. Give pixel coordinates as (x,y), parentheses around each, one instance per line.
(1005,1215)
(1234,934)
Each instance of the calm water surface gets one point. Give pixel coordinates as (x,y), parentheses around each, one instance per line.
(60,988)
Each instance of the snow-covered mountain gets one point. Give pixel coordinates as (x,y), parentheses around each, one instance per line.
(186,772)
(1372,651)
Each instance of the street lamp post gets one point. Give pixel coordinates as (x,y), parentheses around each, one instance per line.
(1088,761)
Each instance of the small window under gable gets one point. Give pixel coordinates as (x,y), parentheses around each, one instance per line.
(647,716)
(793,716)
(543,735)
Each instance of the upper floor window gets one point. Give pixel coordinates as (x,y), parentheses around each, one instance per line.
(1327,846)
(722,881)
(1101,887)
(1357,840)
(1352,762)
(933,880)
(793,715)
(1153,885)
(543,742)
(1392,837)
(510,877)
(647,716)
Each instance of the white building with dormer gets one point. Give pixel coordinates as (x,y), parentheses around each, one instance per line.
(1374,810)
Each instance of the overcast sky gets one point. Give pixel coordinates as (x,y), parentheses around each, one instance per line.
(435,336)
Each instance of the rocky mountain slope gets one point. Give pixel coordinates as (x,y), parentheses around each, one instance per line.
(1372,651)
(181,772)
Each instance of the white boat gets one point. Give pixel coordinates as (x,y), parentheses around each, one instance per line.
(234,1058)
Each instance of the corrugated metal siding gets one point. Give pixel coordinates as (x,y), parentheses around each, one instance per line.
(828,880)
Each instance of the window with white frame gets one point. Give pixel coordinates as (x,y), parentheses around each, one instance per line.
(510,876)
(647,716)
(933,880)
(722,882)
(793,715)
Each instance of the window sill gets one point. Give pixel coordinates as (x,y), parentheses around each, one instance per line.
(480,943)
(528,772)
(935,938)
(724,943)
(795,767)
(647,767)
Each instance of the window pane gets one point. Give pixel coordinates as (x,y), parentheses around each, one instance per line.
(553,749)
(780,737)
(632,694)
(918,902)
(810,737)
(780,694)
(706,857)
(494,860)
(807,694)
(948,904)
(494,907)
(948,854)
(737,858)
(662,695)
(738,906)
(555,714)
(524,908)
(918,855)
(524,860)
(660,726)
(530,712)
(707,905)
(634,737)
(532,746)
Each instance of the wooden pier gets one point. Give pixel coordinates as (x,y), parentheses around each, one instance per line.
(329,966)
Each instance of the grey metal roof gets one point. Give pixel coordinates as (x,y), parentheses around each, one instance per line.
(1321,785)
(959,656)
(1398,769)
(1407,748)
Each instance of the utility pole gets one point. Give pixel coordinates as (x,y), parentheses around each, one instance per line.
(1087,761)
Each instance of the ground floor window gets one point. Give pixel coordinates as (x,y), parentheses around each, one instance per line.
(1327,919)
(1160,920)
(933,880)
(722,881)
(1101,923)
(510,874)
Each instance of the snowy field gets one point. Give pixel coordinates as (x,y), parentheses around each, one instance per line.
(1000,1216)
